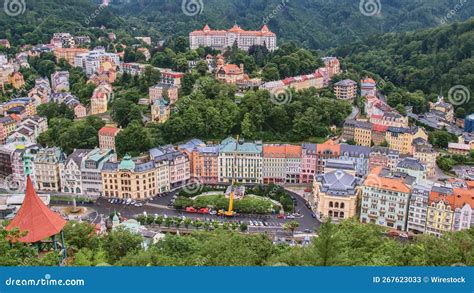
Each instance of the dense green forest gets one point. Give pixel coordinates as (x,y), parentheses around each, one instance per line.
(347,244)
(432,60)
(315,24)
(321,24)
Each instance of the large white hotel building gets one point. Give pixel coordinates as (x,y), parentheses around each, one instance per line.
(221,39)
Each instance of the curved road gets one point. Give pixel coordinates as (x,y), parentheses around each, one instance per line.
(159,206)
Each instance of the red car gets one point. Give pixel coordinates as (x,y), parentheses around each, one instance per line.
(203,211)
(280,216)
(191,210)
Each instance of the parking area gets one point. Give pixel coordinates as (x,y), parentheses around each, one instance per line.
(162,206)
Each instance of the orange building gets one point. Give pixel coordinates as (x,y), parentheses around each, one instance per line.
(281,163)
(328,150)
(107,136)
(203,160)
(68,53)
(230,73)
(16,80)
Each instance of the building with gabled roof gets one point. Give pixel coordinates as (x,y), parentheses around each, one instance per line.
(47,164)
(324,151)
(70,172)
(412,167)
(107,135)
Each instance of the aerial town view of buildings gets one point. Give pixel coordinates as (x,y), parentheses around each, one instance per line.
(125,133)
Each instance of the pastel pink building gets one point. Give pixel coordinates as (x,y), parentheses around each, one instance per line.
(179,167)
(308,162)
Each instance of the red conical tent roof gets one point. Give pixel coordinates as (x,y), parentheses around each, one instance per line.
(35,217)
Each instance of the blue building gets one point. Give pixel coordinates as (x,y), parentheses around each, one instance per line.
(469,123)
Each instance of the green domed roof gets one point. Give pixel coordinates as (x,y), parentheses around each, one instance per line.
(127,163)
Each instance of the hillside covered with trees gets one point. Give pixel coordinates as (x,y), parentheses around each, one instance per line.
(320,25)
(431,61)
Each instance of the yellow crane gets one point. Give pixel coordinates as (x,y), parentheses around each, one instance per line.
(230,211)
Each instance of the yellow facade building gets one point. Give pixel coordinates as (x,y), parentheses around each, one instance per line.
(335,195)
(135,179)
(363,133)
(401,139)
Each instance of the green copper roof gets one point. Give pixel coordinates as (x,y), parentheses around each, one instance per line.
(127,163)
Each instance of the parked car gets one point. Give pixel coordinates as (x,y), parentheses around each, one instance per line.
(281,216)
(290,217)
(313,215)
(203,211)
(190,210)
(213,212)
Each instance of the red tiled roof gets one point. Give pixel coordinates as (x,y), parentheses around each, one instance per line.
(231,69)
(379,128)
(282,151)
(375,180)
(109,130)
(463,196)
(35,218)
(16,117)
(368,80)
(264,31)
